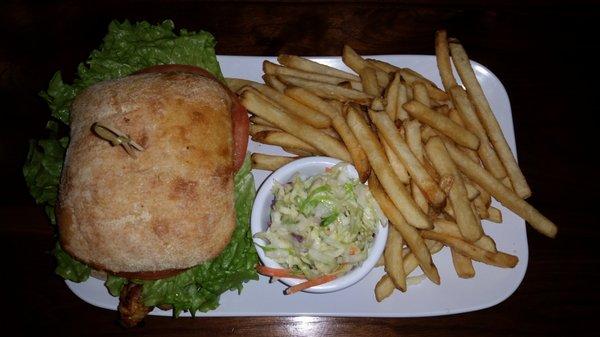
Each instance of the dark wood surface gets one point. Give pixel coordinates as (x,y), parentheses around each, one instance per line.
(543,52)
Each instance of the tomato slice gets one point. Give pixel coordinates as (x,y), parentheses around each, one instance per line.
(239,115)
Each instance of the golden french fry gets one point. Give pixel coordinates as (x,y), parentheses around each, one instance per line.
(410,76)
(420,93)
(283,139)
(417,172)
(277,70)
(443,60)
(419,198)
(486,242)
(427,133)
(331,132)
(409,233)
(455,117)
(410,260)
(269,162)
(395,162)
(401,114)
(451,228)
(391,97)
(498,259)
(384,172)
(304,113)
(489,121)
(298,152)
(359,158)
(480,208)
(449,210)
(260,106)
(356,62)
(274,82)
(301,63)
(235,84)
(393,259)
(494,215)
(351,85)
(377,104)
(472,191)
(462,265)
(369,81)
(383,79)
(260,121)
(328,90)
(503,194)
(468,224)
(412,131)
(383,66)
(384,288)
(443,124)
(486,152)
(444,109)
(484,196)
(256,128)
(353,60)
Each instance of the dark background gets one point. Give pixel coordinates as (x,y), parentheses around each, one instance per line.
(543,52)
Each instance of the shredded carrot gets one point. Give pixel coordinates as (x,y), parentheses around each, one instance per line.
(309,283)
(276,272)
(353,250)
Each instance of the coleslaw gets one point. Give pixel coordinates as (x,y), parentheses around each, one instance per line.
(322,225)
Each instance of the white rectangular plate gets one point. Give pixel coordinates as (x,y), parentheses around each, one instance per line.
(489,287)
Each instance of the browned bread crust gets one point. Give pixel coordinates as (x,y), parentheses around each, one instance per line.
(172,207)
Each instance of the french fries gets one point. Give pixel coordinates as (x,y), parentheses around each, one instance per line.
(359,158)
(426,183)
(395,162)
(442,55)
(443,124)
(392,185)
(331,91)
(469,117)
(301,63)
(409,233)
(306,114)
(469,226)
(385,286)
(502,193)
(268,162)
(277,70)
(393,259)
(235,84)
(466,73)
(283,139)
(433,158)
(498,259)
(275,115)
(274,82)
(369,81)
(391,97)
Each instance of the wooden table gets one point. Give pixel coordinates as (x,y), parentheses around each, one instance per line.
(541,51)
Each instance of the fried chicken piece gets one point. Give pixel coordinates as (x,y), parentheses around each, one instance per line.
(131,307)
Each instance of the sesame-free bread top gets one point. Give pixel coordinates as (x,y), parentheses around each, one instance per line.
(169,207)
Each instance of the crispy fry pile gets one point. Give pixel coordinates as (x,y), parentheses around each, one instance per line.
(433,157)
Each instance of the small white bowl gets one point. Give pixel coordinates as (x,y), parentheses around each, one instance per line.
(261,214)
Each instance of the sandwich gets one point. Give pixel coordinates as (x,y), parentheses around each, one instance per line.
(155,191)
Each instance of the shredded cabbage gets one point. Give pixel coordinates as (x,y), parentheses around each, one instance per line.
(322,225)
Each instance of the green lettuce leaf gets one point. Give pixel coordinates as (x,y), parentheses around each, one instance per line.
(199,287)
(68,267)
(127,48)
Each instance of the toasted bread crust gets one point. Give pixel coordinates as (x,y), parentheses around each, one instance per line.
(171,207)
